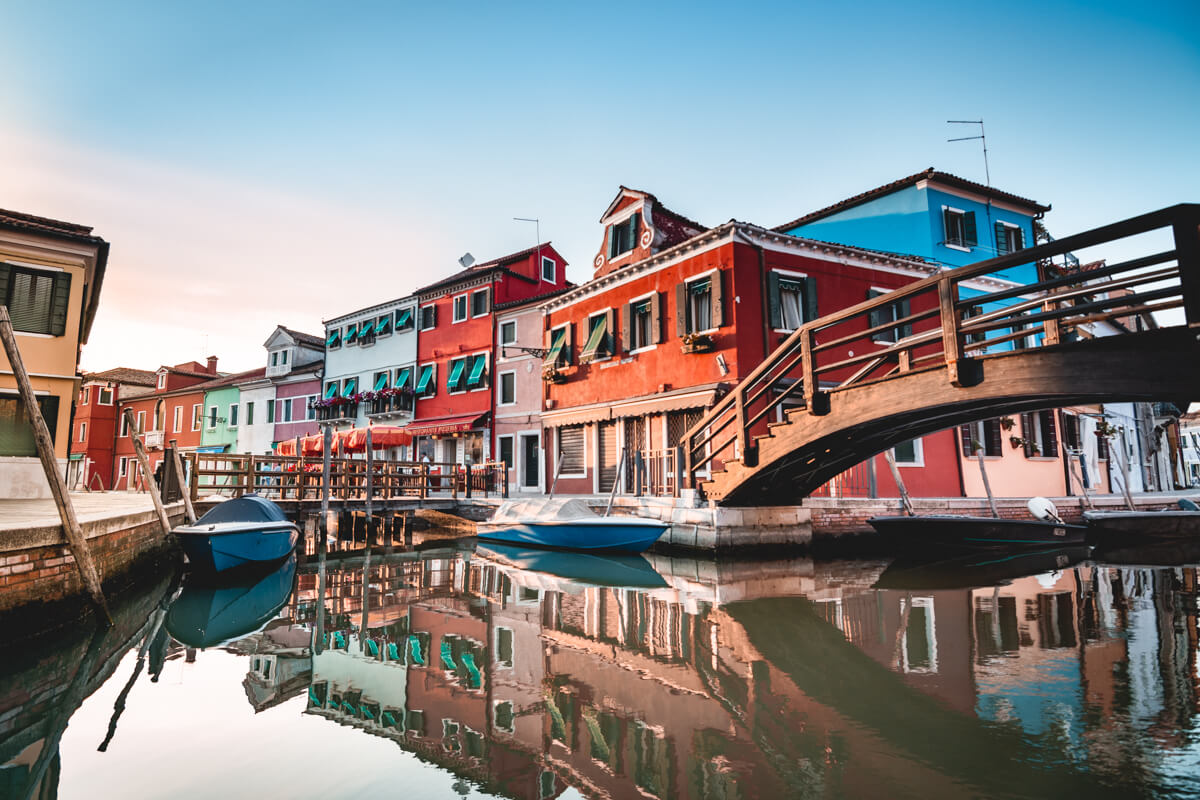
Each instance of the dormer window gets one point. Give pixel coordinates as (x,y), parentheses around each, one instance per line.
(548,269)
(622,237)
(162,380)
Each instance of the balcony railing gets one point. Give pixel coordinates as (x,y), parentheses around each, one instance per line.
(402,404)
(332,413)
(154,440)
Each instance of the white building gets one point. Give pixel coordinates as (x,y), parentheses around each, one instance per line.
(289,353)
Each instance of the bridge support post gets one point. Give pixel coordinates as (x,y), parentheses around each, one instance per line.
(951,342)
(1187,252)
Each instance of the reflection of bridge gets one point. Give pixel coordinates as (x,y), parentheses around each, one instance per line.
(928,356)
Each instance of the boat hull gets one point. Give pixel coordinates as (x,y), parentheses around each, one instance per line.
(224,547)
(966,570)
(951,531)
(209,612)
(1146,524)
(620,535)
(594,569)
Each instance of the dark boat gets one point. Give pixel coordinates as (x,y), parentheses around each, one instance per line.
(243,532)
(974,569)
(1181,523)
(940,531)
(610,569)
(210,611)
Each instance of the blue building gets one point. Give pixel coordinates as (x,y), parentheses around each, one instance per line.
(935,215)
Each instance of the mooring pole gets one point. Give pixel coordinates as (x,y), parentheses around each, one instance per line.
(370,485)
(327,445)
(987,487)
(904,501)
(58,484)
(144,461)
(183,484)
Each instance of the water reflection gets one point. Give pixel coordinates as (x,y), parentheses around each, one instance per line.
(522,675)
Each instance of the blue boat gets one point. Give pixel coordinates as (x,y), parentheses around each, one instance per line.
(568,525)
(242,532)
(211,612)
(594,569)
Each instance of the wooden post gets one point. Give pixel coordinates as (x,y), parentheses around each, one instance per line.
(616,482)
(1187,253)
(249,485)
(58,484)
(987,487)
(678,471)
(904,499)
(505,471)
(951,344)
(746,451)
(327,444)
(424,480)
(194,479)
(183,487)
(299,471)
(370,487)
(144,461)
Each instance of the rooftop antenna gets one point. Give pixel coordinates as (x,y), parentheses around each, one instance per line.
(987,174)
(538,233)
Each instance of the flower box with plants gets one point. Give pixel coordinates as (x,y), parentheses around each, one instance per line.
(698,343)
(553,375)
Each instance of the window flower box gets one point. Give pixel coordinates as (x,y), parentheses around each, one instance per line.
(698,343)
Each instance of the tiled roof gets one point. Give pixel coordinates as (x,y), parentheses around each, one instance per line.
(126,375)
(476,270)
(28,222)
(229,380)
(308,339)
(541,298)
(930,174)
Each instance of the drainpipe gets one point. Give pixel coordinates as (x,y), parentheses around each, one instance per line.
(492,440)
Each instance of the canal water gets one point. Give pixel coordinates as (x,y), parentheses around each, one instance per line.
(445,670)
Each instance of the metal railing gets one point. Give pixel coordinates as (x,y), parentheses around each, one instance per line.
(944,329)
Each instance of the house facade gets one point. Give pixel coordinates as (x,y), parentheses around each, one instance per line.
(455,391)
(96,423)
(225,410)
(293,358)
(50,278)
(1189,441)
(673,322)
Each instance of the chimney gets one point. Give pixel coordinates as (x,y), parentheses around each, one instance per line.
(212,364)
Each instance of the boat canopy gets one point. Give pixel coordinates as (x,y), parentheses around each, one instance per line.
(543,510)
(247,508)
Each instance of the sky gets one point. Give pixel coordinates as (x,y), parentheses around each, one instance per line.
(266,163)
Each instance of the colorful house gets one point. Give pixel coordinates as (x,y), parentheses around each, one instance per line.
(96,423)
(456,324)
(293,358)
(675,316)
(50,278)
(224,412)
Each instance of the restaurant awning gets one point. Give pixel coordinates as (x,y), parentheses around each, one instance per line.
(679,400)
(285,448)
(446,425)
(382,437)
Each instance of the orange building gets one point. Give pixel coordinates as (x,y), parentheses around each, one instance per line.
(95,430)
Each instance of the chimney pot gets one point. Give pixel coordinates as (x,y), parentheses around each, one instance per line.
(212,364)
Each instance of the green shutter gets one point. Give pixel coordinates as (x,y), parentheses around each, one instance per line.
(331,391)
(350,387)
(634,229)
(594,341)
(626,327)
(969,229)
(333,339)
(556,347)
(58,307)
(681,313)
(810,299)
(403,317)
(1001,239)
(477,371)
(402,378)
(4,272)
(774,308)
(456,371)
(380,382)
(426,377)
(717,301)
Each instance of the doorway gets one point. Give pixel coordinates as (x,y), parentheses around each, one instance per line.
(530,460)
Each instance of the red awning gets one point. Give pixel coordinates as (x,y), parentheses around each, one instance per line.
(445,425)
(285,448)
(382,436)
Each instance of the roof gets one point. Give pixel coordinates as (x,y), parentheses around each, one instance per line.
(673,226)
(306,339)
(540,298)
(929,174)
(478,270)
(126,375)
(230,380)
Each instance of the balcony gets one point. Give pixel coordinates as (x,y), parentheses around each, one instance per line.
(391,406)
(153,440)
(346,411)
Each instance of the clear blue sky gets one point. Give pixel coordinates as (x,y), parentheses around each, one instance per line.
(313,158)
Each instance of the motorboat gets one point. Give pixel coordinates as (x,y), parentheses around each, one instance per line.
(1175,523)
(964,570)
(211,611)
(569,525)
(239,533)
(941,531)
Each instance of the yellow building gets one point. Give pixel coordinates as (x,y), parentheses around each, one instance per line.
(50,277)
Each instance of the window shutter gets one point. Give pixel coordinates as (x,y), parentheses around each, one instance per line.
(610,332)
(626,326)
(634,229)
(875,318)
(433,314)
(1027,433)
(569,347)
(1001,239)
(58,307)
(774,315)
(681,309)
(810,299)
(4,271)
(1051,435)
(547,340)
(656,318)
(718,299)
(905,310)
(1019,239)
(992,428)
(969,229)
(964,435)
(610,240)
(948,227)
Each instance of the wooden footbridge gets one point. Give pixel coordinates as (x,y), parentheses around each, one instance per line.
(959,346)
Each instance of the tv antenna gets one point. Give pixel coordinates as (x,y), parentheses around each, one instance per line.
(538,233)
(982,137)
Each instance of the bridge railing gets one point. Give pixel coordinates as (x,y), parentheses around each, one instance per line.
(949,320)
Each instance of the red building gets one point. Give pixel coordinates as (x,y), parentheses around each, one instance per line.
(173,410)
(95,424)
(455,356)
(675,316)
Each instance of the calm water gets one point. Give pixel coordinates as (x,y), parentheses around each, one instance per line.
(456,672)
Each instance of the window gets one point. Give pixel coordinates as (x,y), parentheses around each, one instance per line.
(141,422)
(599,345)
(212,417)
(162,380)
(477,379)
(351,334)
(508,388)
(889,313)
(349,387)
(479,303)
(331,390)
(428,317)
(1039,434)
(177,420)
(460,308)
(124,425)
(123,468)
(559,352)
(792,300)
(506,447)
(1071,437)
(250,413)
(571,451)
(285,410)
(37,300)
(909,454)
(959,227)
(981,436)
(549,269)
(312,410)
(283,358)
(333,340)
(403,378)
(454,382)
(404,320)
(83,395)
(274,359)
(83,431)
(641,323)
(504,647)
(381,381)
(622,237)
(1009,238)
(233,415)
(106,396)
(383,325)
(197,416)
(427,382)
(508,332)
(504,715)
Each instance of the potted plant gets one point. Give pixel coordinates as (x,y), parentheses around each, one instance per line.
(697,343)
(1007,423)
(553,375)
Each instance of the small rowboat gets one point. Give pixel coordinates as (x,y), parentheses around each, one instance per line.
(1181,523)
(950,531)
(568,525)
(243,532)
